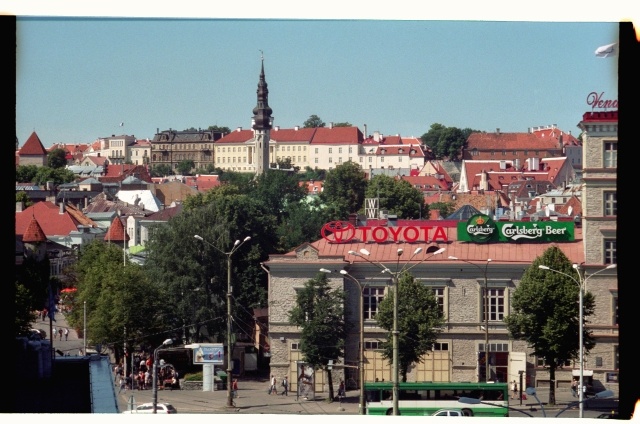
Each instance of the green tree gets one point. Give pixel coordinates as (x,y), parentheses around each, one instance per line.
(57,175)
(118,296)
(209,169)
(57,158)
(397,196)
(183,265)
(24,312)
(26,173)
(342,124)
(446,142)
(420,322)
(545,313)
(314,121)
(319,312)
(161,170)
(23,197)
(224,130)
(275,189)
(345,187)
(184,167)
(302,221)
(312,174)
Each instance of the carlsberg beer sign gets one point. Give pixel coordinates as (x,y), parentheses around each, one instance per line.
(481,229)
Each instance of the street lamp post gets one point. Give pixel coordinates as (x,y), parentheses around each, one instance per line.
(361,409)
(235,247)
(485,300)
(155,373)
(396,348)
(581,282)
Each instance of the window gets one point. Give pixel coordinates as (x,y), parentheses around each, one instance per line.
(372,345)
(330,150)
(439,293)
(316,150)
(382,159)
(340,159)
(615,310)
(350,149)
(372,296)
(495,298)
(540,362)
(339,149)
(440,346)
(295,346)
(610,203)
(611,155)
(610,251)
(330,160)
(616,357)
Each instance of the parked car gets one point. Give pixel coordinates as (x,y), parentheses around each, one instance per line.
(147,408)
(37,334)
(450,413)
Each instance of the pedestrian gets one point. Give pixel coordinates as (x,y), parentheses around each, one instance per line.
(514,390)
(53,333)
(272,386)
(285,386)
(123,384)
(234,388)
(66,334)
(60,332)
(574,388)
(341,392)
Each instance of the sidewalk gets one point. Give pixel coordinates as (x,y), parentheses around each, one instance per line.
(252,399)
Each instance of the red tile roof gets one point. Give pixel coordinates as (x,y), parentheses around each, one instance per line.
(292,135)
(554,133)
(509,141)
(33,233)
(52,222)
(507,253)
(427,182)
(116,231)
(337,135)
(33,146)
(237,136)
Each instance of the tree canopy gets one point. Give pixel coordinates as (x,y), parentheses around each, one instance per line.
(397,196)
(314,121)
(344,186)
(319,313)
(57,158)
(545,312)
(420,322)
(446,142)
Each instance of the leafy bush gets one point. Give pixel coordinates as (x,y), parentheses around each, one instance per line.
(193,377)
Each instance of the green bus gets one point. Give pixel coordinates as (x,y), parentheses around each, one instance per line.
(427,397)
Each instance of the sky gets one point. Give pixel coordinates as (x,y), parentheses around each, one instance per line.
(78,78)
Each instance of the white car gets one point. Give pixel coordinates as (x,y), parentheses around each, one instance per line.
(449,413)
(147,408)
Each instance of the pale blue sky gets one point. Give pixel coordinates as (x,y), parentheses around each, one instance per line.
(79,78)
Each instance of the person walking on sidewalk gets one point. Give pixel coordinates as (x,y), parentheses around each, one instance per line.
(285,386)
(234,388)
(66,334)
(514,390)
(273,385)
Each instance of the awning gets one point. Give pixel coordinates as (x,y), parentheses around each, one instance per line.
(585,373)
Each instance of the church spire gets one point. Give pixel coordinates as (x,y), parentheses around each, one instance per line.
(262,111)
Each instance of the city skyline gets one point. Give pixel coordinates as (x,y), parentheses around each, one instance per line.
(79,79)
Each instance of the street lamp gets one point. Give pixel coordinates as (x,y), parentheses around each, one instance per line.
(361,410)
(531,391)
(235,247)
(155,373)
(396,348)
(581,281)
(485,300)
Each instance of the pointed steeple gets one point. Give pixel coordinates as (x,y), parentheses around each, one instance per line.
(262,111)
(34,233)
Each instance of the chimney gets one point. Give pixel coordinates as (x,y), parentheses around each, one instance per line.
(365,130)
(297,127)
(498,131)
(330,125)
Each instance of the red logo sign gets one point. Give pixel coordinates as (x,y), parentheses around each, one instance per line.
(595,100)
(338,231)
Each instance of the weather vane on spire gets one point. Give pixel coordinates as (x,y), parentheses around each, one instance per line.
(261,55)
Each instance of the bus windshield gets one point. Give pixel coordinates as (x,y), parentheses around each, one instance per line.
(424,398)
